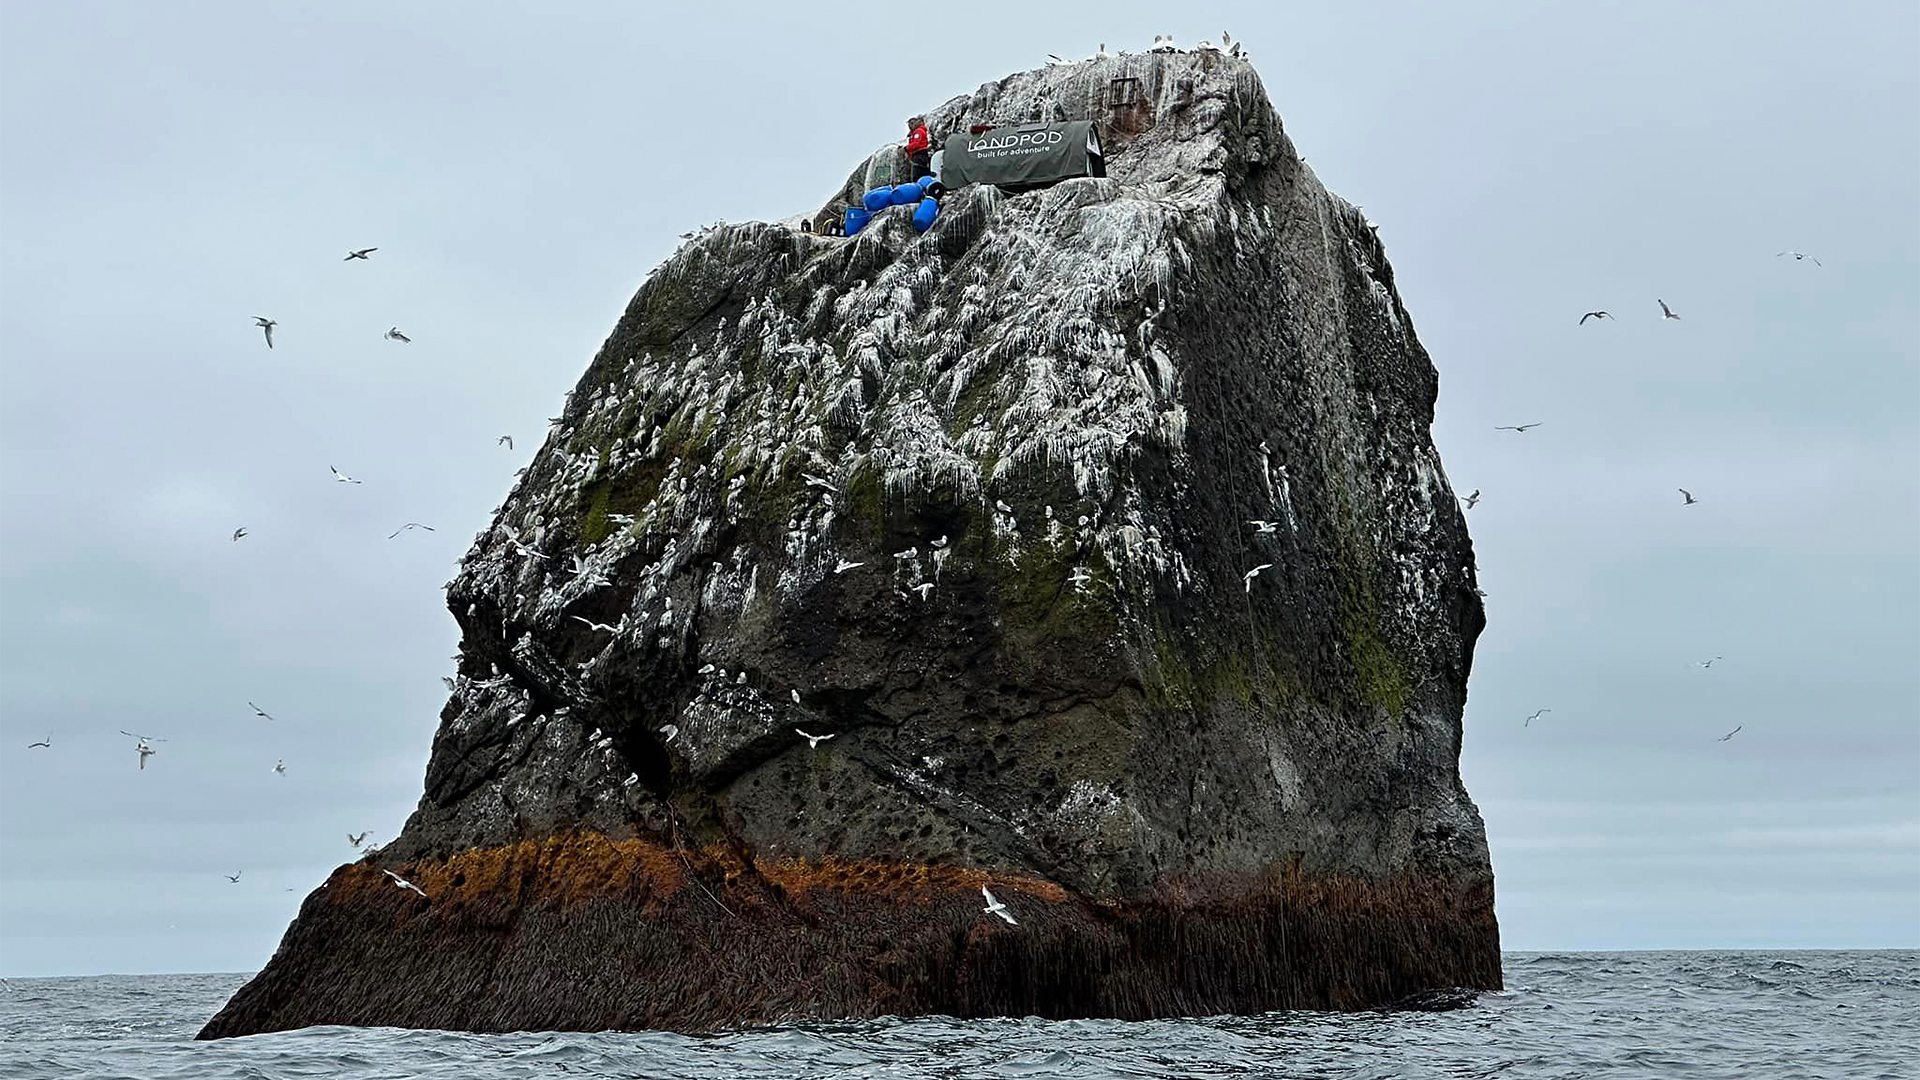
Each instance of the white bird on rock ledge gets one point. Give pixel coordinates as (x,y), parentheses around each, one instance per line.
(995,907)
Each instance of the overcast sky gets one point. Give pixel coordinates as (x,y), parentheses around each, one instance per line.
(167,172)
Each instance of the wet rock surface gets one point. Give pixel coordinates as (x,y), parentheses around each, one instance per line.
(980,505)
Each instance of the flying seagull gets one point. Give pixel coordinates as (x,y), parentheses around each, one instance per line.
(813,741)
(671,731)
(796,696)
(1710,663)
(1536,716)
(504,440)
(408,525)
(1730,734)
(1797,256)
(258,711)
(1264,528)
(1595,315)
(360,254)
(405,884)
(356,841)
(1247,578)
(394,334)
(1520,428)
(845,565)
(267,325)
(1687,495)
(1080,576)
(995,907)
(1666,312)
(923,589)
(340,476)
(46,742)
(1473,499)
(279,767)
(591,625)
(234,877)
(143,746)
(238,533)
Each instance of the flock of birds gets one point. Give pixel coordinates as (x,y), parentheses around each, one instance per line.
(143,745)
(1162,43)
(1687,498)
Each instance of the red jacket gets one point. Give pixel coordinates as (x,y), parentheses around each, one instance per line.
(917,141)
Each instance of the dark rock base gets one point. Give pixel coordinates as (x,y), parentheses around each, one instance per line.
(591,933)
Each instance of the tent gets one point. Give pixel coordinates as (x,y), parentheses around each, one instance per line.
(1028,156)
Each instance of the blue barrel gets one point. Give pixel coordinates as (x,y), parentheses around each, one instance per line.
(907,194)
(878,199)
(924,214)
(855,221)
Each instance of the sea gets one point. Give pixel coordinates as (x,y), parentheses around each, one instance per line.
(1648,1014)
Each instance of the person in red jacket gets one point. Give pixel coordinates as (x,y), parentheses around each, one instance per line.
(919,148)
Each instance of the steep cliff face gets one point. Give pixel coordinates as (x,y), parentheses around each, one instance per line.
(977,504)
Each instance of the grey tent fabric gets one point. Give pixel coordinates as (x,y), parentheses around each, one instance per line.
(1029,155)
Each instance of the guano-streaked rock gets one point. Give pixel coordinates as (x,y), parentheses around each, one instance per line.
(1041,431)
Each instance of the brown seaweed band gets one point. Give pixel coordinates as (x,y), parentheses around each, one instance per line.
(584,932)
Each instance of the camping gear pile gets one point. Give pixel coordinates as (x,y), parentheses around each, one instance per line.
(923,195)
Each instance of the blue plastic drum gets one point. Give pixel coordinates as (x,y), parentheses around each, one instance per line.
(924,214)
